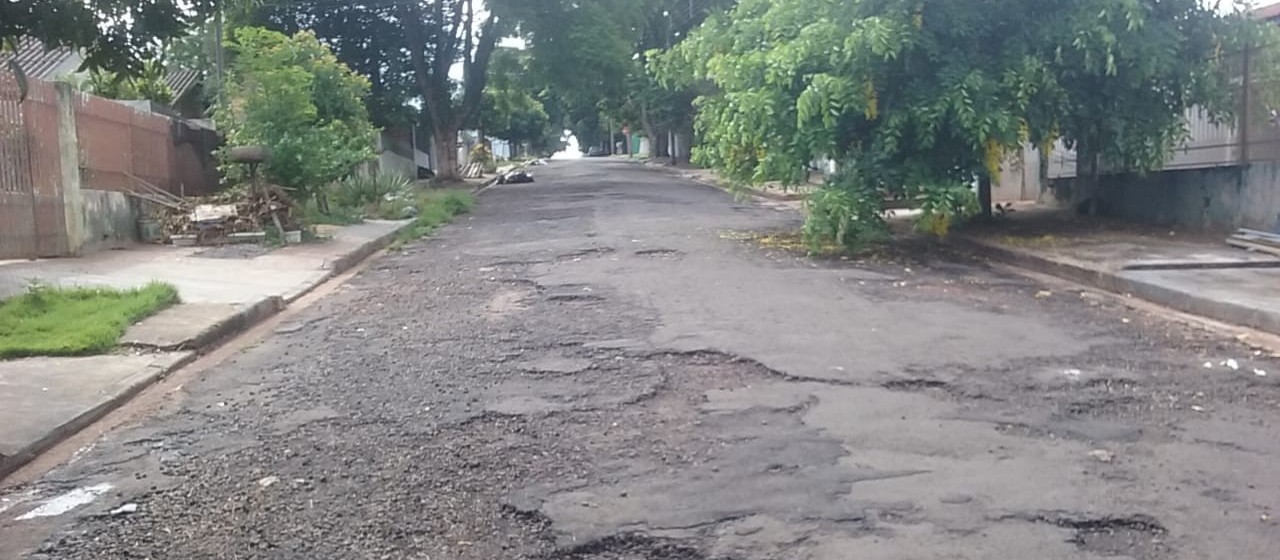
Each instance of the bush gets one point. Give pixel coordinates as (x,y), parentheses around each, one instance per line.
(292,95)
(846,211)
(361,191)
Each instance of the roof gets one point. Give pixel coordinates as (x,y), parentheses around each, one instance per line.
(41,63)
(1268,12)
(181,81)
(37,61)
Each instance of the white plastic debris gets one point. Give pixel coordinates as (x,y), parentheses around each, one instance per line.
(1071,372)
(1043,294)
(268,481)
(1260,372)
(1231,363)
(1197,408)
(125,509)
(1102,455)
(1208,365)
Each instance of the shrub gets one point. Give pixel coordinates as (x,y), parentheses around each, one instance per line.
(292,95)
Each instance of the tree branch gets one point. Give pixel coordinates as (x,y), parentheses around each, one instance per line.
(412,19)
(477,70)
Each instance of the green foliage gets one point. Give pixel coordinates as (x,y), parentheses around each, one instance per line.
(845,212)
(48,321)
(918,94)
(148,84)
(435,208)
(115,35)
(292,95)
(945,206)
(359,191)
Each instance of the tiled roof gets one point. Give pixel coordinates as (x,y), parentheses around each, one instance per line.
(181,81)
(43,64)
(36,60)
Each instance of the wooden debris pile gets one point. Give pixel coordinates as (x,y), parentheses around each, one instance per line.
(215,217)
(1256,240)
(473,170)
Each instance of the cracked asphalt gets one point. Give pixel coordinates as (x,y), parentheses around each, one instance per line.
(599,366)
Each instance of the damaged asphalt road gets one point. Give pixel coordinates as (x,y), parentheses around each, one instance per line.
(596,366)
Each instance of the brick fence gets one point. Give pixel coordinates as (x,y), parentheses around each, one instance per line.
(59,146)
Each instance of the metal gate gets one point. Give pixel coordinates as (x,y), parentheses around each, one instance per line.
(32,223)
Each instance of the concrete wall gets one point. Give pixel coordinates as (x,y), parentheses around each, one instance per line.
(396,164)
(1019,177)
(110,220)
(1220,198)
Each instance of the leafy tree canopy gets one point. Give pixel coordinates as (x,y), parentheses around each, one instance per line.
(115,35)
(930,94)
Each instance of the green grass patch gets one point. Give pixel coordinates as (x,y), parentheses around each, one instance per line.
(49,321)
(435,208)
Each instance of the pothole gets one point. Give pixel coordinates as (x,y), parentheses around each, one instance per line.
(583,253)
(659,253)
(631,547)
(914,384)
(575,298)
(1136,536)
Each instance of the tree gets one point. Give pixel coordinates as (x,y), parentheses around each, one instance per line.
(115,35)
(515,104)
(921,99)
(439,34)
(415,42)
(292,95)
(367,37)
(148,84)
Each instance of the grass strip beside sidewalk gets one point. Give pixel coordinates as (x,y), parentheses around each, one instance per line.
(49,321)
(435,208)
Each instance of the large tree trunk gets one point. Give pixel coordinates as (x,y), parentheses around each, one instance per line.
(447,159)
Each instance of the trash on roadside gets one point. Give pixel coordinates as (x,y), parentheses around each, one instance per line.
(1231,363)
(1208,365)
(1071,372)
(1260,372)
(268,481)
(125,509)
(515,178)
(1043,294)
(1197,408)
(1102,455)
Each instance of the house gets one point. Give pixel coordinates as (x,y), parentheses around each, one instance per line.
(1269,13)
(43,63)
(1223,176)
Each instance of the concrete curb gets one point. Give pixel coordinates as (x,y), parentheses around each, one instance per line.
(207,340)
(15,461)
(1186,302)
(238,322)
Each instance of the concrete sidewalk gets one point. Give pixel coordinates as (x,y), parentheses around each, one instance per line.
(1192,273)
(223,291)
